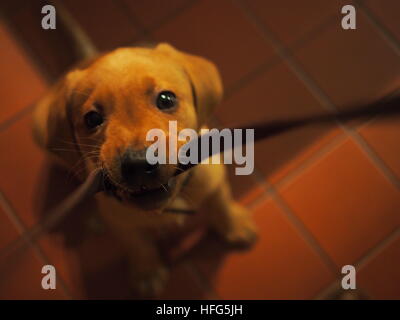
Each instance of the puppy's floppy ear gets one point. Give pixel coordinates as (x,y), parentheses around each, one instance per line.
(52,123)
(205,79)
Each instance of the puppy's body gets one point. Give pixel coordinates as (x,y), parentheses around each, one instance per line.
(99,115)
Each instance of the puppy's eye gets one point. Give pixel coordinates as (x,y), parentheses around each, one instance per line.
(93,119)
(166,100)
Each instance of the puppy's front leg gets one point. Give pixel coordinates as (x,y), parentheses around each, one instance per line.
(148,273)
(228,218)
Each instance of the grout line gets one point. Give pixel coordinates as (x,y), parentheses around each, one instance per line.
(312,160)
(18,224)
(81,43)
(264,196)
(251,76)
(377,249)
(335,286)
(304,232)
(324,292)
(16,116)
(269,63)
(10,212)
(173,15)
(143,31)
(147,31)
(379,27)
(374,158)
(262,183)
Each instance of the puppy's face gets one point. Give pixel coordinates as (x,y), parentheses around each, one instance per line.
(113,103)
(118,101)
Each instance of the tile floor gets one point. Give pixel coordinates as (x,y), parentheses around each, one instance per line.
(322,197)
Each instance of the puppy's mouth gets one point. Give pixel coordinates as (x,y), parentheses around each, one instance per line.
(143,197)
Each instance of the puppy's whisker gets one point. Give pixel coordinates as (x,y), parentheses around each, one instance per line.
(79,144)
(79,170)
(92,139)
(88,146)
(75,169)
(115,183)
(63,149)
(91,153)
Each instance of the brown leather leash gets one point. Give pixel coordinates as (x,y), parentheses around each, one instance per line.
(386,107)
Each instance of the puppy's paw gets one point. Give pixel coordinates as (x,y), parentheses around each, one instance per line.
(150,284)
(242,232)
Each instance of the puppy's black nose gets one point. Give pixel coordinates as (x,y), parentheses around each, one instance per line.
(136,171)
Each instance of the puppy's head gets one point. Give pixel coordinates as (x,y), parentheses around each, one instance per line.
(99,115)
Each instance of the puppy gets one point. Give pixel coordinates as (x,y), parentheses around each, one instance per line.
(99,115)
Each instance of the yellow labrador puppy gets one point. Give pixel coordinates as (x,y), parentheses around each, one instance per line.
(104,109)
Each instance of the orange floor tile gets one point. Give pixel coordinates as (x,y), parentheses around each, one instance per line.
(345,202)
(281,266)
(218,38)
